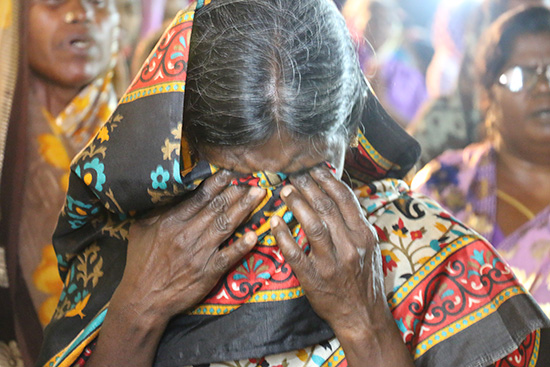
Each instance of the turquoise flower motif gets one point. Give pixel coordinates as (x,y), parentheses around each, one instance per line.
(479,257)
(61,261)
(99,168)
(76,224)
(252,270)
(78,211)
(159,178)
(434,244)
(401,326)
(448,293)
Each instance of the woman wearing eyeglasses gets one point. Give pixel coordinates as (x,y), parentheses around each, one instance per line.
(501,186)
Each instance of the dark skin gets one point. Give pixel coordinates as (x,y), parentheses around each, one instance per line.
(164,280)
(522,135)
(161,275)
(348,269)
(69,46)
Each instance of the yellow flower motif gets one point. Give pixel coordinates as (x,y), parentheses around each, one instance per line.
(540,249)
(363,191)
(302,355)
(80,306)
(52,150)
(88,178)
(441,227)
(480,223)
(390,255)
(399,233)
(103,134)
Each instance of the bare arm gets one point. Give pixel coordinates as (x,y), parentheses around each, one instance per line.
(342,276)
(173,262)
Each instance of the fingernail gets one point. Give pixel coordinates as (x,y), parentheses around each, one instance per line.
(300,180)
(274,222)
(250,238)
(322,173)
(223,176)
(285,192)
(256,191)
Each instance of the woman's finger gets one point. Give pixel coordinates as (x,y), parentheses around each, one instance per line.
(294,255)
(224,259)
(227,211)
(202,196)
(341,194)
(315,228)
(325,207)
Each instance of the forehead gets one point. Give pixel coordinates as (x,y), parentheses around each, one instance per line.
(530,49)
(278,154)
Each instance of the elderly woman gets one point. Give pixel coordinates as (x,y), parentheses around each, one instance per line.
(501,186)
(216,229)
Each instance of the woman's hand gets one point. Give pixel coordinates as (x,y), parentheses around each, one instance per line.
(342,276)
(173,261)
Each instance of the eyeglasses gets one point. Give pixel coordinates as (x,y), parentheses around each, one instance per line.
(519,78)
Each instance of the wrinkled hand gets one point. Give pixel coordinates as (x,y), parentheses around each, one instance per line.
(174,259)
(342,276)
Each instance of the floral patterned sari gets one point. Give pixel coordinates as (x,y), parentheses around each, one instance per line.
(464,182)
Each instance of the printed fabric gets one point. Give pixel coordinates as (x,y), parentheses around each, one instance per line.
(52,143)
(445,284)
(441,124)
(464,182)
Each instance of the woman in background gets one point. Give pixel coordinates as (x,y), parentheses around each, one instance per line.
(452,121)
(501,186)
(65,79)
(70,49)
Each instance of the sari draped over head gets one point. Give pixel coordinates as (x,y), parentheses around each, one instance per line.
(258,313)
(465,182)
